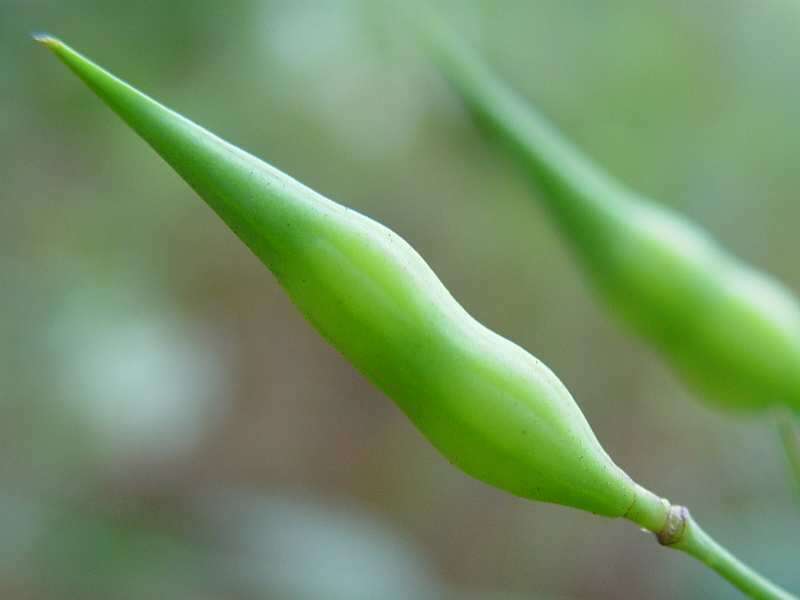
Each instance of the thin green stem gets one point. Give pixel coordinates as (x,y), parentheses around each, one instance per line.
(790,439)
(701,546)
(675,528)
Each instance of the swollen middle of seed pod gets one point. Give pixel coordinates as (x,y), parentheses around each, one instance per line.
(488,405)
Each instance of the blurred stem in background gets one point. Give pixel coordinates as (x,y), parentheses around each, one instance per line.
(790,440)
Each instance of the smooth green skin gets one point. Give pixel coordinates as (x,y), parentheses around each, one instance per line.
(490,407)
(731,332)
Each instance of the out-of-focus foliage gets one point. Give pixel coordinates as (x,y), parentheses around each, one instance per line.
(148,362)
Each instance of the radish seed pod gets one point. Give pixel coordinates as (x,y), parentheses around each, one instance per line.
(489,406)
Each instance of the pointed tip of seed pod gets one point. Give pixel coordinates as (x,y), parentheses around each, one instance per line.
(47,40)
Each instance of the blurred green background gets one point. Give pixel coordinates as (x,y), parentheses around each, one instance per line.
(170,427)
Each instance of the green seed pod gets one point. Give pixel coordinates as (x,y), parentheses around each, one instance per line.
(731,332)
(486,404)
